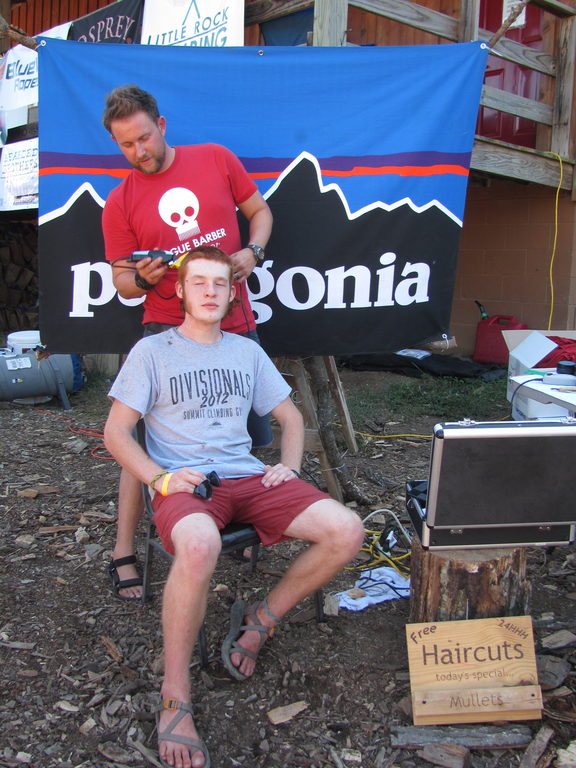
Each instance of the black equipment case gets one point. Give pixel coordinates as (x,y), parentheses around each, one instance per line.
(497,484)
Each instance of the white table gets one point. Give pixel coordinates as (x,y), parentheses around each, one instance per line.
(544,393)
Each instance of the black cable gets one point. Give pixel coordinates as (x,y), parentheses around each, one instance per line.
(378,587)
(164,298)
(134,269)
(519,387)
(310,477)
(124,266)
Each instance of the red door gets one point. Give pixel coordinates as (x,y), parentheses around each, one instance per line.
(511,77)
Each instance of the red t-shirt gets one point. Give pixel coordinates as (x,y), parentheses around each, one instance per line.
(192,203)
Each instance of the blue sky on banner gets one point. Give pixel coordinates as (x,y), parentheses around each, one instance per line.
(384,123)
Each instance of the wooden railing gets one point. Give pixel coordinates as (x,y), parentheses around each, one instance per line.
(497,157)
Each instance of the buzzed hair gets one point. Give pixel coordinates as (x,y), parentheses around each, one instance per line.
(125,101)
(209,252)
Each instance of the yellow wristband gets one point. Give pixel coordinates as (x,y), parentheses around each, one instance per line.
(157,477)
(165,481)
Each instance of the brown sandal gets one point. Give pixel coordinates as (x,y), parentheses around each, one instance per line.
(238,613)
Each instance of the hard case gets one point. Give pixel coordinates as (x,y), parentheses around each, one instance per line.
(497,484)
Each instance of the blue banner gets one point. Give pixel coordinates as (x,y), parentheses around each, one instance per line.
(362,153)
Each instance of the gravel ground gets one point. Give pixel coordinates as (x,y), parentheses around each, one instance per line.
(81,670)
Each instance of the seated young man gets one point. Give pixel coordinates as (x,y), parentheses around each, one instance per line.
(194,386)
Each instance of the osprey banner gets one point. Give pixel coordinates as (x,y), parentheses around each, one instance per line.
(363,155)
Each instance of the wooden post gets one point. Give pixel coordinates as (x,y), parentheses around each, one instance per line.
(330,22)
(335,386)
(469,20)
(309,407)
(450,585)
(562,127)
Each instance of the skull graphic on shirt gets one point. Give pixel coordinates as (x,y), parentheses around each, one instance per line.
(179,208)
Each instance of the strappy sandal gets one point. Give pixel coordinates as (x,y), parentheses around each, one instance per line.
(238,626)
(181,708)
(118,583)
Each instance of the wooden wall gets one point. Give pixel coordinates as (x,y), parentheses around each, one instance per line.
(35,16)
(365,28)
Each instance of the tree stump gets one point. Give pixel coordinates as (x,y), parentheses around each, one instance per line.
(448,585)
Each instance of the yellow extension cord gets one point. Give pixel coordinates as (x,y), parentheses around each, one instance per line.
(550,278)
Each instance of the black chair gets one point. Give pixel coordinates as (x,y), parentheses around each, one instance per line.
(236,537)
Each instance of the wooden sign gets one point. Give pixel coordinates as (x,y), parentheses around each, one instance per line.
(474,671)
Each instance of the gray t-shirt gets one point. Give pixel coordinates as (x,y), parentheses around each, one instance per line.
(195,399)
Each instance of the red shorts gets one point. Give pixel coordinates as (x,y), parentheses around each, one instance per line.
(243,500)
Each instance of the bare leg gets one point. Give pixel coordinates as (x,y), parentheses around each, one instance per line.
(130,507)
(197,544)
(335,534)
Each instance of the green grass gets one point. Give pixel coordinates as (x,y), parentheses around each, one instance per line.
(445,398)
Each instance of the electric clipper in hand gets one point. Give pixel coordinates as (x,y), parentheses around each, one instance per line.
(166,256)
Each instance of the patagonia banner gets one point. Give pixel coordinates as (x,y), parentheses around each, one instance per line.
(363,155)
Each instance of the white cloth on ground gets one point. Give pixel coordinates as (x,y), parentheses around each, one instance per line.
(379,585)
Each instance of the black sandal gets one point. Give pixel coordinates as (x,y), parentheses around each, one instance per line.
(238,554)
(118,583)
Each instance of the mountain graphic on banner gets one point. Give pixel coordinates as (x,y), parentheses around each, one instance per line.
(307,157)
(334,282)
(398,291)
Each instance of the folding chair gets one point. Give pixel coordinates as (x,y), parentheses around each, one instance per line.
(235,537)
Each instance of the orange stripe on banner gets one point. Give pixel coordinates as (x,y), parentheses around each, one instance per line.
(385,170)
(401,170)
(267,175)
(119,173)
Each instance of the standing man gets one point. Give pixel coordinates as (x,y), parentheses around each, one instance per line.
(194,386)
(174,199)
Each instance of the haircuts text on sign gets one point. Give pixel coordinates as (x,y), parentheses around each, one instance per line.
(474,671)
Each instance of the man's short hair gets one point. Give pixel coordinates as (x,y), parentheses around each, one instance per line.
(125,101)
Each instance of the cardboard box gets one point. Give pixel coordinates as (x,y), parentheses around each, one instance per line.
(526,348)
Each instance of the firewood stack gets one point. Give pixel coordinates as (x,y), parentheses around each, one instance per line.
(18,277)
